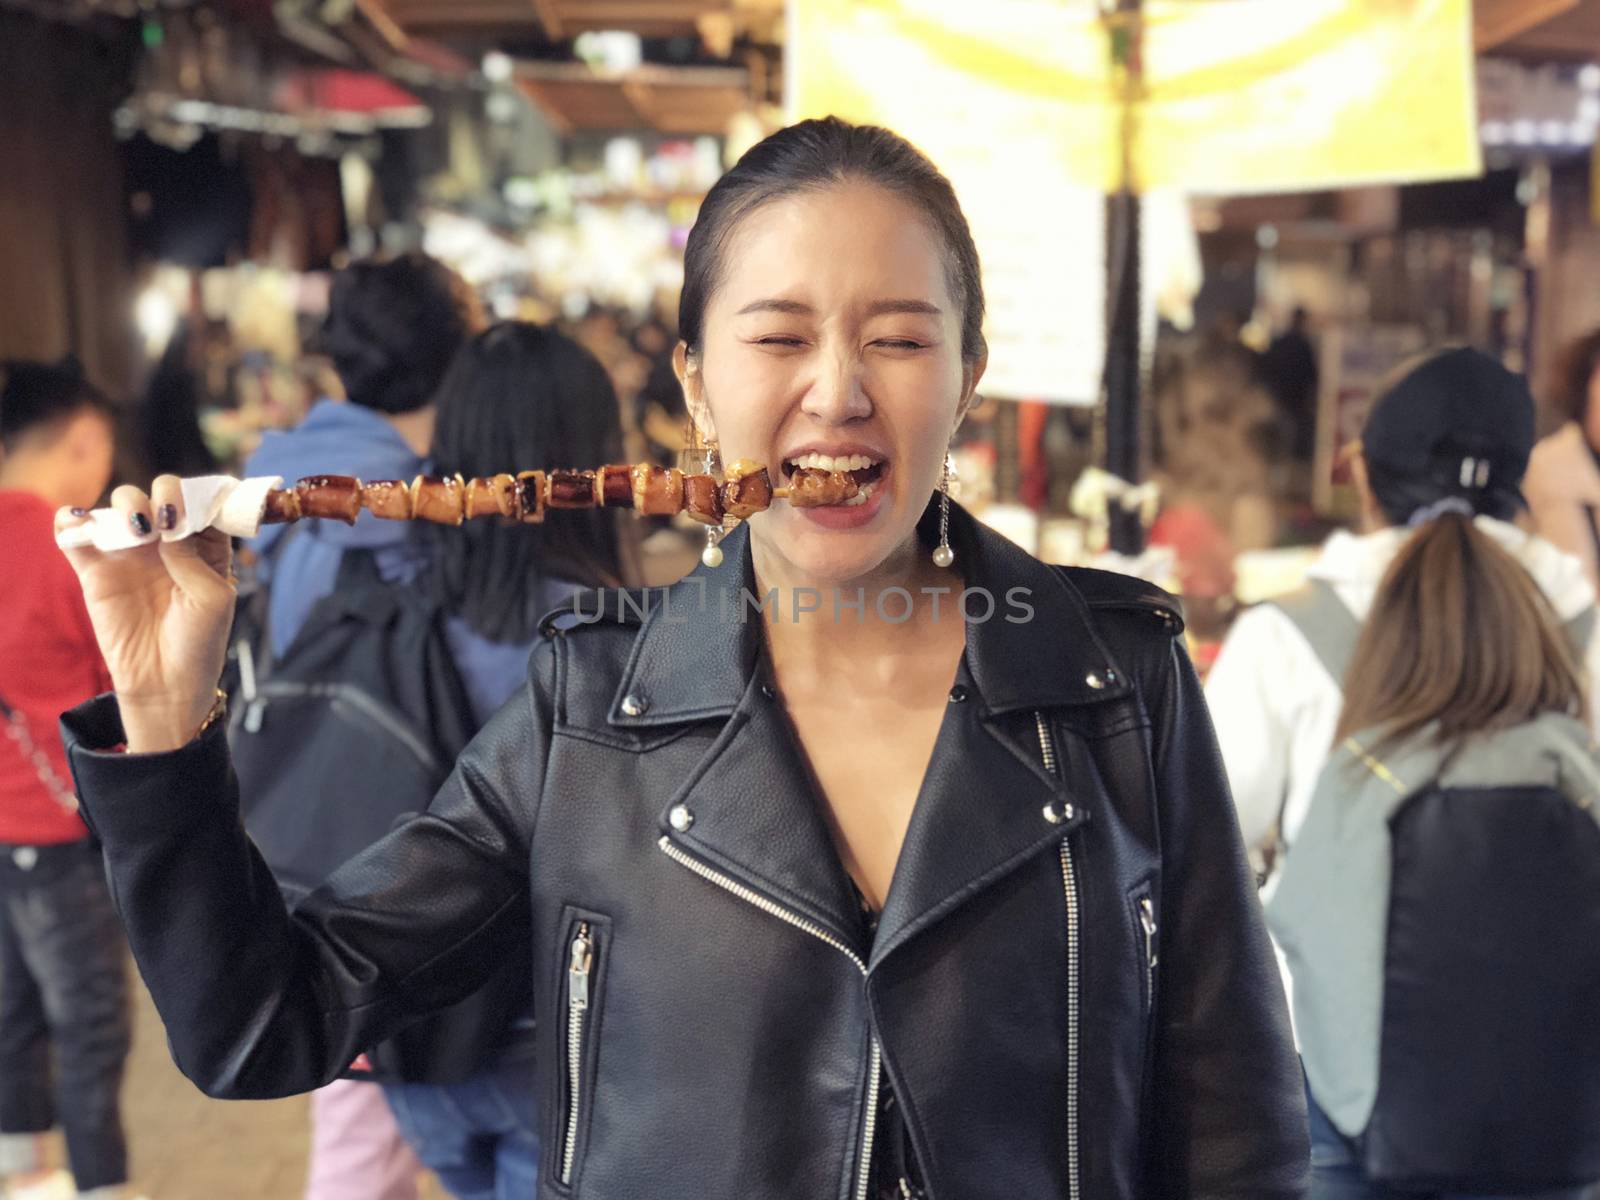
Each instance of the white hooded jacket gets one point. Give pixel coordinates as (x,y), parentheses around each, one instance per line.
(1276,706)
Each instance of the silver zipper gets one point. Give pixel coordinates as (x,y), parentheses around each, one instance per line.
(1147,918)
(869,1128)
(1069,881)
(578,968)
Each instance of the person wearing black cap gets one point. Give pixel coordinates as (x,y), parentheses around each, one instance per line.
(1455,430)
(1450,433)
(1439,911)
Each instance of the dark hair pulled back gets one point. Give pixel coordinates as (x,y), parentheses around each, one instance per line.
(817,154)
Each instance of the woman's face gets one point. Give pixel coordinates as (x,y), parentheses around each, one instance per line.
(833,341)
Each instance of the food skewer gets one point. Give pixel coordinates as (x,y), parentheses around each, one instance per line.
(240,507)
(648,489)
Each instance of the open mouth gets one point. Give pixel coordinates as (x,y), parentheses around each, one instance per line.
(864,469)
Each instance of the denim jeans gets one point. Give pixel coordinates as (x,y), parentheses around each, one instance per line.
(1336,1171)
(64,1018)
(480,1137)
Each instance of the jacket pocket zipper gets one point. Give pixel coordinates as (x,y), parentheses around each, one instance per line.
(580,965)
(1147,923)
(869,1124)
(1069,883)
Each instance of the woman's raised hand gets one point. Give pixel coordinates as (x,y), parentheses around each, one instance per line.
(161,614)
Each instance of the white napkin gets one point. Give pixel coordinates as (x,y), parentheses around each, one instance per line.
(209,502)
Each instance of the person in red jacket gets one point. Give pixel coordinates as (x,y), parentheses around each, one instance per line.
(63,985)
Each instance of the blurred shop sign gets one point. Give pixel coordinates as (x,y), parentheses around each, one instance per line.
(1538,110)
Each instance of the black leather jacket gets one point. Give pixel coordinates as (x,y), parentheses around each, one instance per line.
(1070,991)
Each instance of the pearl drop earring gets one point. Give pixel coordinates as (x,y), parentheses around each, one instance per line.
(943,555)
(712,554)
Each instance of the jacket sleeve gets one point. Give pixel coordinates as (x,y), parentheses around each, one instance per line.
(1230,1111)
(260,1002)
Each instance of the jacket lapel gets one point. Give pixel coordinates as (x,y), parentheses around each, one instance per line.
(756,818)
(981,813)
(751,804)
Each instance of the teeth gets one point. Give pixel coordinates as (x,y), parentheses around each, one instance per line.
(860,497)
(829,462)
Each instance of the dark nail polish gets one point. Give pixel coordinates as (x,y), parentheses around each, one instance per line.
(140,523)
(167,518)
(80,512)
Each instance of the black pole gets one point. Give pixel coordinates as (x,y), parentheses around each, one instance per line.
(1123,357)
(1123,289)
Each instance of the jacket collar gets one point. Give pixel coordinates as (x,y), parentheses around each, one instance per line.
(700,640)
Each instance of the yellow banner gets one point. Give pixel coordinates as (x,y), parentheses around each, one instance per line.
(1238,95)
(1259,95)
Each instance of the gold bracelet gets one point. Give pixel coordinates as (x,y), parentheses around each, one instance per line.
(219,708)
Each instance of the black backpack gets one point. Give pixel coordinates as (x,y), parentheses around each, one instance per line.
(1489,1060)
(344,738)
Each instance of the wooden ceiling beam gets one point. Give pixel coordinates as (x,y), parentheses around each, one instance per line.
(626,11)
(379,17)
(1499,21)
(1539,46)
(549,14)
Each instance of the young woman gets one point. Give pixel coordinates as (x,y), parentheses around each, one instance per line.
(517,393)
(1437,908)
(854,898)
